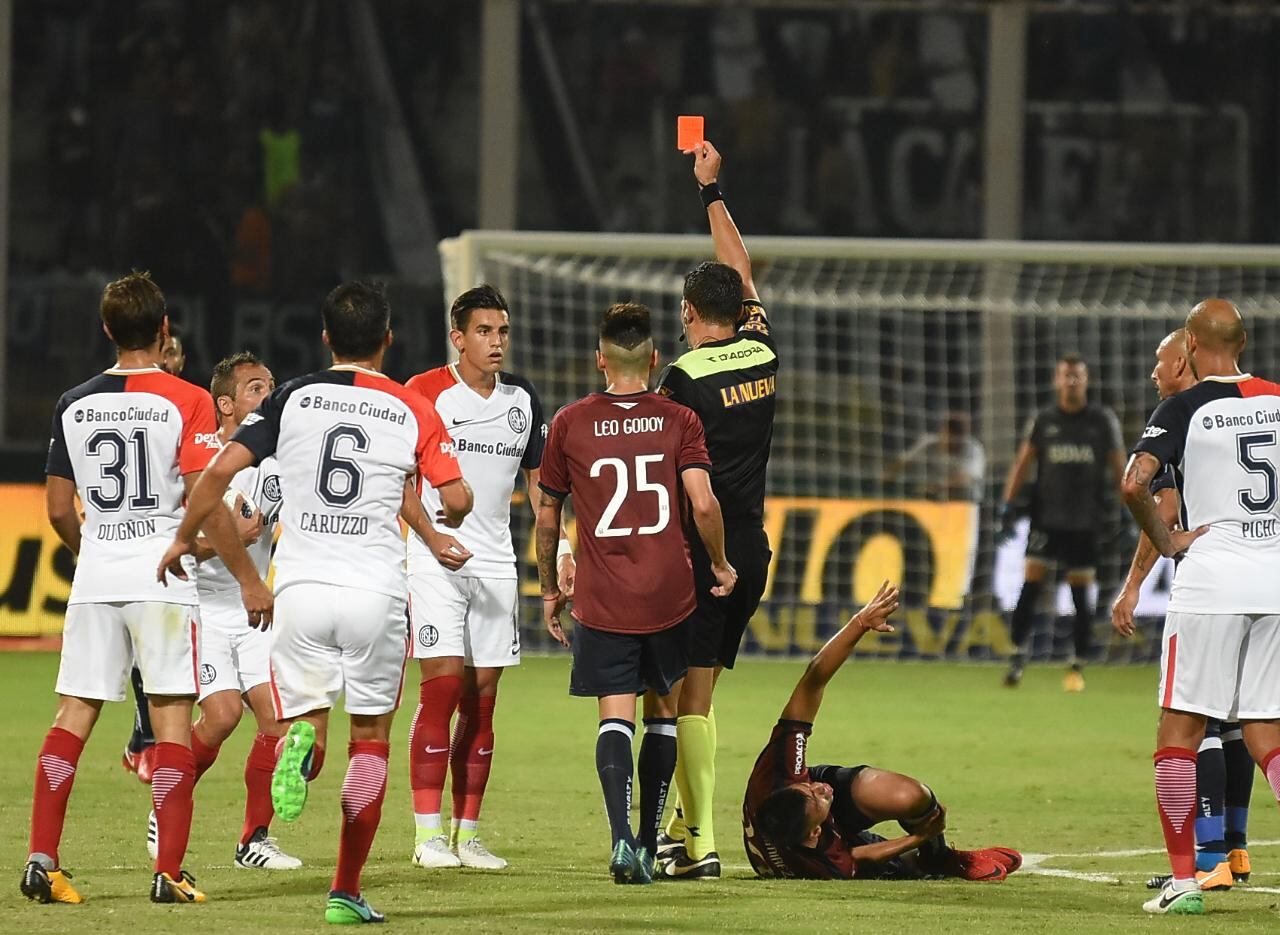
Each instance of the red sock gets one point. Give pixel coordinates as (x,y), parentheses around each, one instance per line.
(203,753)
(1271,769)
(472,755)
(257,785)
(429,741)
(362,793)
(171,787)
(1176,802)
(55,775)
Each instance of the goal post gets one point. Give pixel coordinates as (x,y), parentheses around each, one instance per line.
(885,345)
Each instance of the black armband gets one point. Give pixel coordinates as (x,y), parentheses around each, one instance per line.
(710,194)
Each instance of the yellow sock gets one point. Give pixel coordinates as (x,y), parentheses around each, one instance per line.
(676,828)
(696,781)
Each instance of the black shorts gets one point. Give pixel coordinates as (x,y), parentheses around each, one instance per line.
(1072,550)
(850,819)
(628,663)
(719,622)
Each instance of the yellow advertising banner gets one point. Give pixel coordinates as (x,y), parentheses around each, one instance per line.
(35,567)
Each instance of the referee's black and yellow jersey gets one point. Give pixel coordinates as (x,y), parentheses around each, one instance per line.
(731,385)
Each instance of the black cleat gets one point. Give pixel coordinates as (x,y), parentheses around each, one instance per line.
(621,862)
(669,848)
(685,867)
(1013,678)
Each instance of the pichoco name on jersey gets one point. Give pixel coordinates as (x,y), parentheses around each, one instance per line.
(334,524)
(363,408)
(132,414)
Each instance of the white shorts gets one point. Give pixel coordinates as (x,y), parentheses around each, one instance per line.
(1225,666)
(475,618)
(100,643)
(233,655)
(330,640)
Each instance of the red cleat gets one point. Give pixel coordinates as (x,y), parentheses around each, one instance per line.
(129,760)
(143,763)
(975,865)
(1011,859)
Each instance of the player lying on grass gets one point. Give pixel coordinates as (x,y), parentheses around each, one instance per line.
(812,823)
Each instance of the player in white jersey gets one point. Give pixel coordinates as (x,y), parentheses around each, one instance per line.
(1221,655)
(234,657)
(464,591)
(349,442)
(130,443)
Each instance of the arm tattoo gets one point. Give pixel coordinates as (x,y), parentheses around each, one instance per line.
(548,539)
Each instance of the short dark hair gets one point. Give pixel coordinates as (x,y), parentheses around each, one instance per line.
(482,296)
(357,317)
(1071,358)
(133,310)
(224,373)
(782,817)
(627,325)
(715,290)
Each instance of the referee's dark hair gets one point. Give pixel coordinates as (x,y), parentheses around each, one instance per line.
(133,310)
(781,817)
(715,290)
(357,317)
(482,296)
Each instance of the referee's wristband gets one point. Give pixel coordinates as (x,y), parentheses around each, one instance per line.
(563,549)
(710,194)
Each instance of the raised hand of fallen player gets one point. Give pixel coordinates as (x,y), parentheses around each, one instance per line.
(726,578)
(566,575)
(171,561)
(259,604)
(875,615)
(552,606)
(706,163)
(1122,612)
(449,552)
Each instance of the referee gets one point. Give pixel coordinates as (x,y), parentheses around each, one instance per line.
(728,377)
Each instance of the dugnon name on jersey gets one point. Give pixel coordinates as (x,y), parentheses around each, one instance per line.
(748,392)
(498,449)
(637,426)
(132,414)
(363,408)
(334,524)
(123,532)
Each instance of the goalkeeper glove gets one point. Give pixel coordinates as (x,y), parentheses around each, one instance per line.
(1007,516)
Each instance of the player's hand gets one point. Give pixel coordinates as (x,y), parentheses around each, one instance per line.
(1182,539)
(259,604)
(443,519)
(171,562)
(566,575)
(726,578)
(935,824)
(1122,611)
(875,615)
(552,606)
(706,163)
(248,528)
(1007,517)
(449,552)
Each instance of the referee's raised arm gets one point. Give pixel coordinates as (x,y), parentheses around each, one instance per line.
(730,250)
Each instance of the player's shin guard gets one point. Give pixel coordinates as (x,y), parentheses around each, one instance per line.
(257,786)
(204,754)
(1175,769)
(55,775)
(935,850)
(429,749)
(471,759)
(1082,629)
(171,788)
(1211,780)
(1239,786)
(614,767)
(1024,615)
(362,793)
(657,764)
(696,778)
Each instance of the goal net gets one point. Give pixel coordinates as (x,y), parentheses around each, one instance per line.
(909,369)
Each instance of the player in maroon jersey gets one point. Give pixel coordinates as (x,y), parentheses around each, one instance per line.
(632,461)
(811,822)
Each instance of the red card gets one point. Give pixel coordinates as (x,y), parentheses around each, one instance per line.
(689,133)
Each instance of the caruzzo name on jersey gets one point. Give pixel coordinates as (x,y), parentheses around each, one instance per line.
(463,446)
(122,532)
(335,524)
(132,414)
(363,408)
(636,426)
(1070,454)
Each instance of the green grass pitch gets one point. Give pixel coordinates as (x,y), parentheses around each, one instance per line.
(1034,769)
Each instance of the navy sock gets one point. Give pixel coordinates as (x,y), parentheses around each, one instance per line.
(142,737)
(656,765)
(614,766)
(1239,766)
(1083,627)
(1211,780)
(1024,615)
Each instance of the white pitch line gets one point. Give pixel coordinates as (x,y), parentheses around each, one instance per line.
(1031,864)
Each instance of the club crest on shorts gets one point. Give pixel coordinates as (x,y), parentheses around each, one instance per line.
(428,635)
(207,673)
(517,419)
(271,487)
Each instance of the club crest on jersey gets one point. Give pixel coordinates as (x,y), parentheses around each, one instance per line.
(271,487)
(207,673)
(428,636)
(1208,422)
(517,419)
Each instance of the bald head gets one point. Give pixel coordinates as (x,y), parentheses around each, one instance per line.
(1173,372)
(1215,326)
